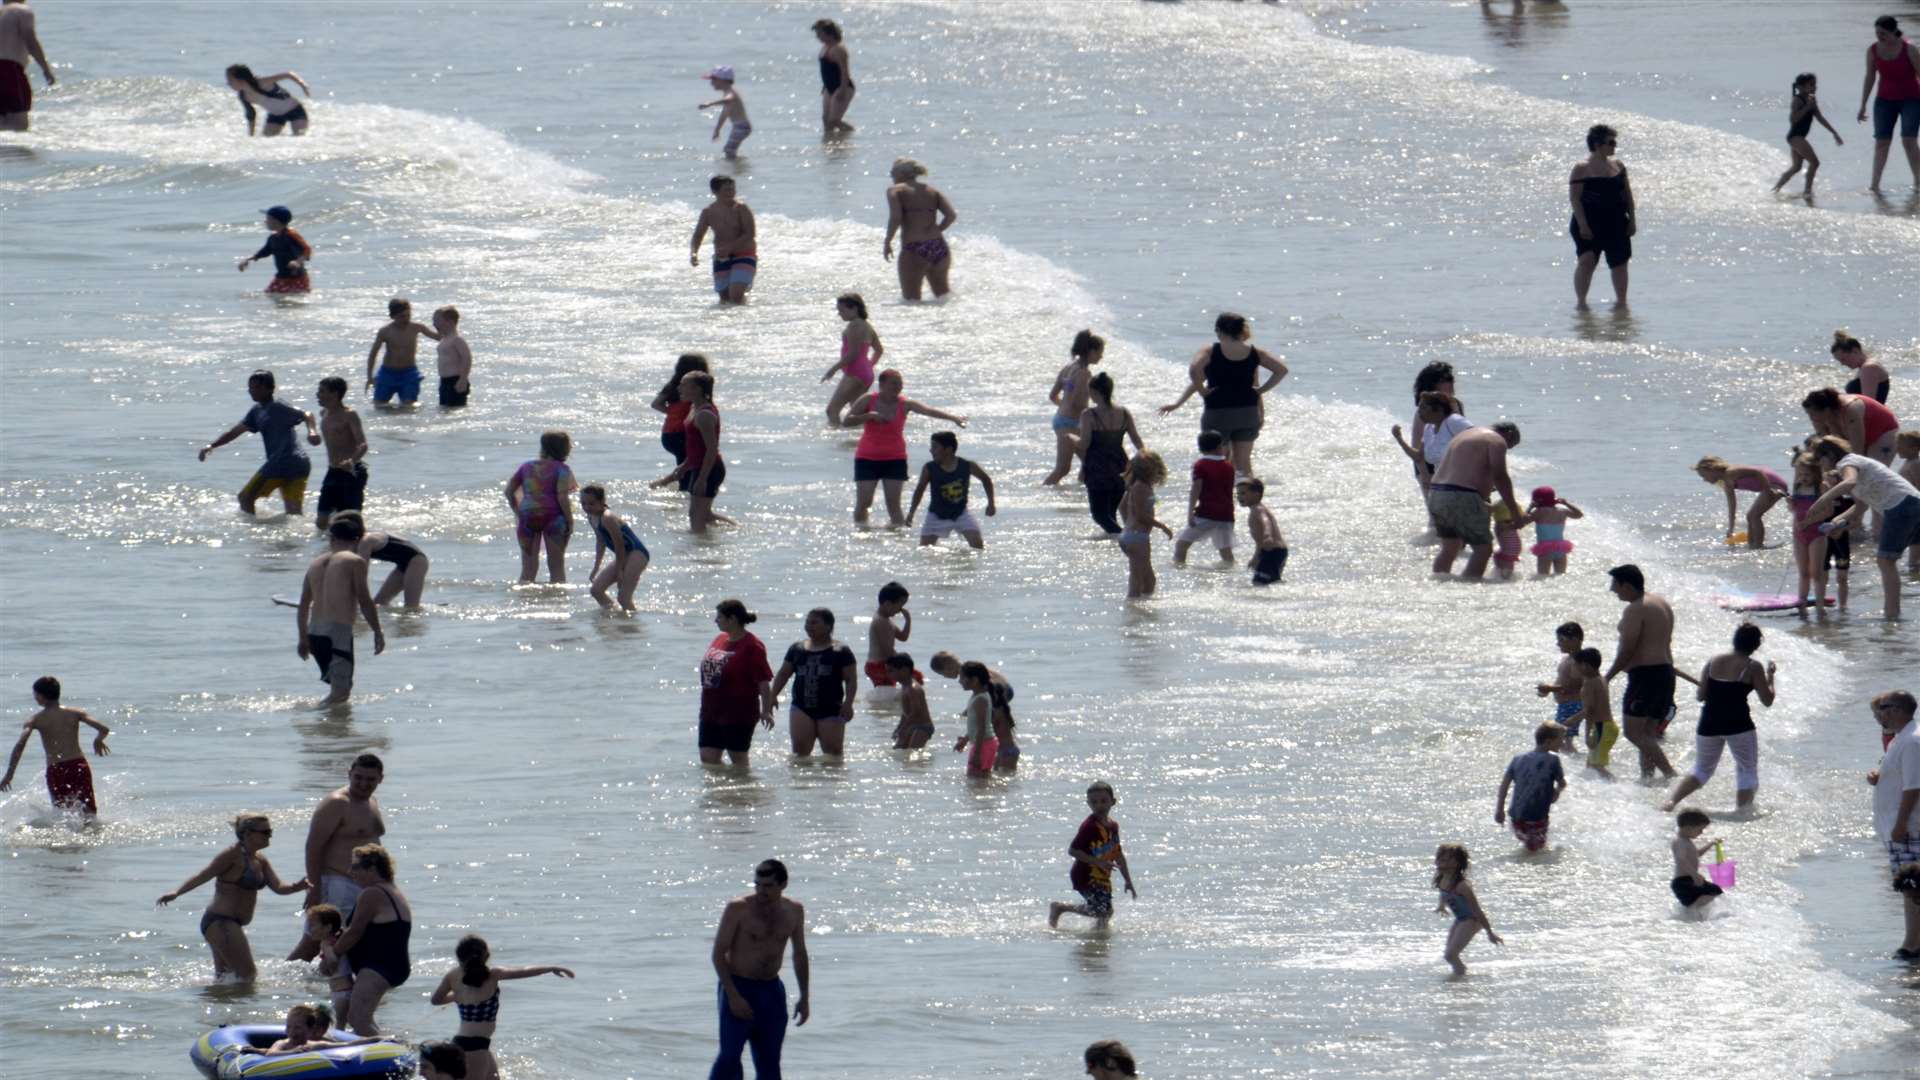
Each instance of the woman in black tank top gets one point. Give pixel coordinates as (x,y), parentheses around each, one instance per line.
(1726,717)
(1104,430)
(1224,375)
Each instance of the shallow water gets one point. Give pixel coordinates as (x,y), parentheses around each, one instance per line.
(1377,185)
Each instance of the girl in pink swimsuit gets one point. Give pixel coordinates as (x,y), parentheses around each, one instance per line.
(881,457)
(1766,485)
(860,348)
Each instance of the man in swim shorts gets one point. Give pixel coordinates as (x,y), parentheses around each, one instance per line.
(336,585)
(400,372)
(345,485)
(1645,653)
(287,466)
(733,239)
(69,777)
(344,820)
(747,952)
(1474,466)
(18,42)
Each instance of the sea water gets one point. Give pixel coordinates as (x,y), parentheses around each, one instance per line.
(1377,185)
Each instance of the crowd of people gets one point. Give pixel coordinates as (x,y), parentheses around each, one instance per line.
(359,920)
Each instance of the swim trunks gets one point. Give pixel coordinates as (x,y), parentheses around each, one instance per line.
(868,469)
(1220,532)
(1600,746)
(1269,566)
(1616,245)
(332,647)
(1533,834)
(1099,901)
(737,135)
(343,489)
(939,527)
(738,270)
(451,397)
(290,285)
(933,251)
(715,477)
(1564,714)
(16,93)
(1902,852)
(737,738)
(292,488)
(1689,893)
(1460,514)
(403,381)
(1649,693)
(70,785)
(878,674)
(1065,423)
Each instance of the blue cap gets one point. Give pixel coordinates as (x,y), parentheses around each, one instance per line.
(279,213)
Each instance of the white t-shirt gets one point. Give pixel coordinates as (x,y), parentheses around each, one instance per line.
(1876,485)
(1435,437)
(1899,774)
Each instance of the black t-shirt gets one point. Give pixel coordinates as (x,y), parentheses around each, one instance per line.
(285,250)
(949,489)
(818,689)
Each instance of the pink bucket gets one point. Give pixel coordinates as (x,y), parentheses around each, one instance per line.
(1721,873)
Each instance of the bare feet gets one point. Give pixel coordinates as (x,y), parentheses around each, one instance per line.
(1054,911)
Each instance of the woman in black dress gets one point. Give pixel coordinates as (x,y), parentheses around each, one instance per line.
(1603,222)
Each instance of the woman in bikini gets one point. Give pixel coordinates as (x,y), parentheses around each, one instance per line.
(1072,389)
(912,209)
(238,874)
(860,349)
(1870,378)
(881,457)
(474,989)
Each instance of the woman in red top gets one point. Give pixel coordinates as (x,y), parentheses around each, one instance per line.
(736,687)
(1868,426)
(881,456)
(1895,62)
(703,470)
(673,433)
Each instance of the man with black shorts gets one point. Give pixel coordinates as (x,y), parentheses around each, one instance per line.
(1645,653)
(345,485)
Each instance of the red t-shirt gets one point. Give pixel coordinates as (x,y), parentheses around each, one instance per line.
(1097,838)
(730,676)
(1216,493)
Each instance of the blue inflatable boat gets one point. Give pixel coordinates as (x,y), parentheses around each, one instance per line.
(221,1054)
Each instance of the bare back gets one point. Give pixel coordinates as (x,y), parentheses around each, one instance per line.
(59,731)
(919,207)
(1473,459)
(335,581)
(1648,623)
(16,30)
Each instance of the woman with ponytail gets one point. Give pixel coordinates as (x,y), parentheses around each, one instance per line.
(474,988)
(1870,379)
(267,93)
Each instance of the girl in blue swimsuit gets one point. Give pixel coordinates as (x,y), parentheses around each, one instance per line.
(1456,895)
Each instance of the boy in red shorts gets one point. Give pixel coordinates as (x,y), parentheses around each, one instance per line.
(1536,780)
(69,778)
(884,634)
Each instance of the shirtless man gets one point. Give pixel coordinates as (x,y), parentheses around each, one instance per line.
(400,372)
(747,950)
(345,485)
(336,584)
(1474,466)
(344,820)
(734,261)
(1645,653)
(18,41)
(69,777)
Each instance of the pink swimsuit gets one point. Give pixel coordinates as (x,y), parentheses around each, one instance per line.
(859,368)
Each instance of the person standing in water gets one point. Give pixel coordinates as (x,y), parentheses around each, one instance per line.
(18,42)
(287,465)
(69,777)
(860,349)
(290,252)
(345,485)
(912,210)
(409,573)
(736,687)
(1472,470)
(1726,719)
(881,456)
(272,98)
(747,951)
(376,938)
(1603,217)
(346,818)
(540,494)
(1450,864)
(668,402)
(1223,375)
(453,359)
(335,586)
(238,874)
(1870,377)
(473,989)
(1072,390)
(1869,427)
(1895,63)
(612,536)
(1144,473)
(1800,117)
(949,476)
(734,261)
(1645,653)
(704,470)
(836,78)
(1102,438)
(829,680)
(1768,487)
(733,108)
(399,372)
(1894,501)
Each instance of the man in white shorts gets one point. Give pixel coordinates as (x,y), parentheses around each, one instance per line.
(949,476)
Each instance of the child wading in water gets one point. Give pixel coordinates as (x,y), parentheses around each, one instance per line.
(1536,780)
(541,495)
(979,713)
(916,722)
(732,108)
(1800,117)
(1144,473)
(1550,515)
(1565,687)
(1596,708)
(69,777)
(1456,895)
(453,358)
(1071,395)
(1693,891)
(1814,552)
(611,534)
(860,349)
(1269,547)
(1096,852)
(290,252)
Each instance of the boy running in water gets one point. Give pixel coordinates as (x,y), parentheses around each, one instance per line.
(345,485)
(287,466)
(1537,781)
(733,108)
(399,372)
(1565,687)
(883,634)
(1269,547)
(1209,501)
(949,475)
(1096,852)
(69,777)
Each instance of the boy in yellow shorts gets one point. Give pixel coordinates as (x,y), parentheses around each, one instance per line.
(1597,710)
(278,423)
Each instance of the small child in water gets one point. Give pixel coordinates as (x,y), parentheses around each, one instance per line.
(1209,501)
(1537,781)
(916,721)
(1550,514)
(979,713)
(1692,890)
(541,495)
(1456,895)
(1506,539)
(1096,852)
(1596,708)
(732,108)
(1269,547)
(883,634)
(1565,687)
(453,358)
(399,370)
(1801,113)
(323,926)
(290,252)
(612,535)
(1817,554)
(999,694)
(69,777)
(1907,445)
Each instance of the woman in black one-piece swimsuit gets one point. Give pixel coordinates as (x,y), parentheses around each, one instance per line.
(836,78)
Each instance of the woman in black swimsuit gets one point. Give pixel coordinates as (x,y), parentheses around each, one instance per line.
(375,940)
(836,78)
(1603,221)
(273,99)
(238,874)
(1104,429)
(1870,378)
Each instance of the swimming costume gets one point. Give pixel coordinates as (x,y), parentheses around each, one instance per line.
(1456,903)
(208,918)
(879,675)
(864,469)
(884,439)
(1551,540)
(382,948)
(390,381)
(543,483)
(1690,893)
(1879,392)
(940,528)
(933,251)
(983,754)
(676,421)
(343,489)
(948,489)
(1099,901)
(1459,514)
(1269,566)
(1104,505)
(626,533)
(1009,753)
(1220,532)
(858,365)
(1798,129)
(1130,535)
(1062,422)
(280,104)
(735,136)
(819,691)
(1878,422)
(715,477)
(470,1043)
(290,284)
(398,552)
(737,270)
(1230,382)
(70,785)
(286,247)
(331,645)
(675,443)
(1532,834)
(1726,710)
(450,394)
(1104,460)
(16,93)
(1506,536)
(735,738)
(298,115)
(1565,714)
(1649,693)
(830,78)
(292,489)
(1839,554)
(251,878)
(1604,200)
(1600,746)
(484,1012)
(1768,480)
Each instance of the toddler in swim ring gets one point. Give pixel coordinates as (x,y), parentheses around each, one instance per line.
(1549,515)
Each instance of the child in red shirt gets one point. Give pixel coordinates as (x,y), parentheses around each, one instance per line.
(1096,851)
(1209,501)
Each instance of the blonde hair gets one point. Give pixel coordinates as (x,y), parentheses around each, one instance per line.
(1907,442)
(908,166)
(1845,342)
(245,819)
(1712,464)
(1147,466)
(376,858)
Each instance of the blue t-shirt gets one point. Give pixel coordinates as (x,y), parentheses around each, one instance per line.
(278,425)
(1534,775)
